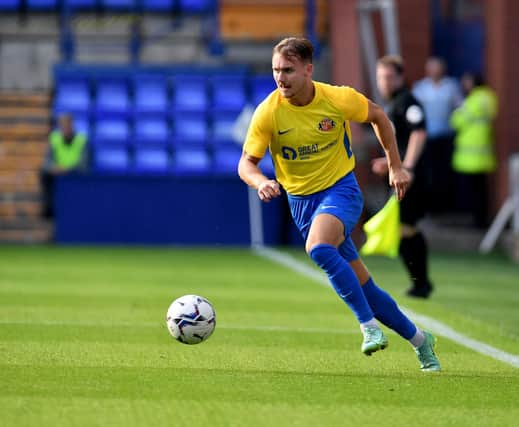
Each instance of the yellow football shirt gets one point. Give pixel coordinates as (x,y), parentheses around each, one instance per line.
(310,145)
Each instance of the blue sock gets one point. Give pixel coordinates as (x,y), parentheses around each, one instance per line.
(386,310)
(343,280)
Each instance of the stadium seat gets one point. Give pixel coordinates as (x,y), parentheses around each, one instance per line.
(112,98)
(111,159)
(190,130)
(72,96)
(10,5)
(118,5)
(222,127)
(80,4)
(82,124)
(150,131)
(151,160)
(150,96)
(111,132)
(225,160)
(267,165)
(191,162)
(190,94)
(158,5)
(41,5)
(197,6)
(228,93)
(261,86)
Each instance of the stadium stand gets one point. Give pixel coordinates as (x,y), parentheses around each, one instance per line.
(152,160)
(10,5)
(191,161)
(42,5)
(111,159)
(150,96)
(150,132)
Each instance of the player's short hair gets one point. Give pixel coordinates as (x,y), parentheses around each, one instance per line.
(299,47)
(394,61)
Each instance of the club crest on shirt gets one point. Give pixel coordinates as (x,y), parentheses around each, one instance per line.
(326,124)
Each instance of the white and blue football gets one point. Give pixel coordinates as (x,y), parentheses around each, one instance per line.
(191,319)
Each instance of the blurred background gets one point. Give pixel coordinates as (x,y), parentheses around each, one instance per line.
(159,90)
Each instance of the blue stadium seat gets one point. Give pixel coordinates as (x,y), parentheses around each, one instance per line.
(110,132)
(82,124)
(229,93)
(72,96)
(222,126)
(9,5)
(112,98)
(190,130)
(190,94)
(113,159)
(158,5)
(41,5)
(191,162)
(150,131)
(80,4)
(261,86)
(225,160)
(118,5)
(151,160)
(150,96)
(267,166)
(197,6)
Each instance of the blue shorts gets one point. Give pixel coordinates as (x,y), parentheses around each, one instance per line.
(342,200)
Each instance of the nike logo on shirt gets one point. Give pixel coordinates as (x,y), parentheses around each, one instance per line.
(282,132)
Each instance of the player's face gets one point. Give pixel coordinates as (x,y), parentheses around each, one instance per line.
(388,81)
(293,76)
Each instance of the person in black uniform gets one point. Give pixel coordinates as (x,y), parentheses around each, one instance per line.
(408,119)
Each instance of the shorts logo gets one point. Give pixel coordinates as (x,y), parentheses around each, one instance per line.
(326,125)
(288,153)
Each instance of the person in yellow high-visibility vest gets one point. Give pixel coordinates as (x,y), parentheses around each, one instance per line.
(66,153)
(473,158)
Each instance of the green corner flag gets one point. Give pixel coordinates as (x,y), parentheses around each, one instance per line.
(383,231)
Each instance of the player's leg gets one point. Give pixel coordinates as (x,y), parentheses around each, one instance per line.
(386,311)
(325,235)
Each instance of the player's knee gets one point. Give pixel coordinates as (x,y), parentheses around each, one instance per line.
(324,255)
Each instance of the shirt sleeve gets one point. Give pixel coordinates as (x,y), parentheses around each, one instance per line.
(259,134)
(414,115)
(353,105)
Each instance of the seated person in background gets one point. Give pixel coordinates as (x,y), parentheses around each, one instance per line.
(66,153)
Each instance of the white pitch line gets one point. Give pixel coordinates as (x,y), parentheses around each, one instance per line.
(429,323)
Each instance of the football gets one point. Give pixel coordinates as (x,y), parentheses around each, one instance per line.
(191,319)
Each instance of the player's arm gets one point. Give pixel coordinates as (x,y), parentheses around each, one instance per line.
(415,147)
(257,140)
(399,178)
(251,174)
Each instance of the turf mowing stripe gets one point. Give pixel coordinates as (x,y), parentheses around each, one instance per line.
(154,325)
(429,323)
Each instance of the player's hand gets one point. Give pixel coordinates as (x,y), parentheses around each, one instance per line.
(269,190)
(400,180)
(379,166)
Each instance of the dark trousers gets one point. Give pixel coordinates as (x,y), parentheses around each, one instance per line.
(472,197)
(47,193)
(440,175)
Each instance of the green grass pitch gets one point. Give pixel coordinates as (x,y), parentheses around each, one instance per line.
(83,342)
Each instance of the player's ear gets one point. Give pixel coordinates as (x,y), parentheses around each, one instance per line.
(309,68)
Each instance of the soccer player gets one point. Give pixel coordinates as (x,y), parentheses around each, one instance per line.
(408,118)
(305,124)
